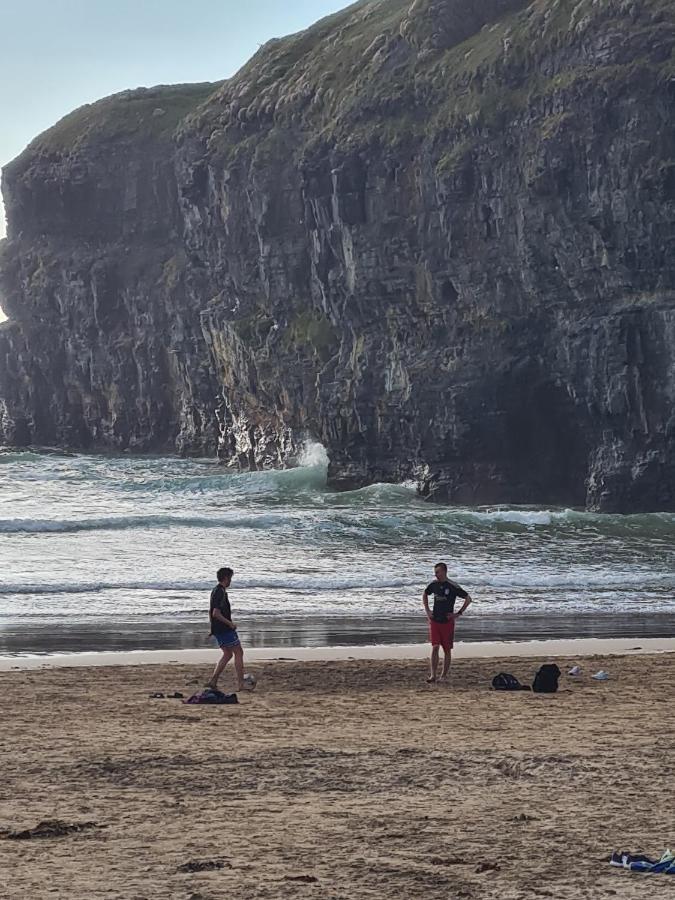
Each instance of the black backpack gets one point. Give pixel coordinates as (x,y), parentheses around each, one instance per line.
(506,682)
(546,679)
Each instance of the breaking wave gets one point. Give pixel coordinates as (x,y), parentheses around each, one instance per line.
(306,585)
(530,581)
(123,523)
(410,519)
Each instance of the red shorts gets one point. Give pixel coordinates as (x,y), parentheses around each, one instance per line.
(442,634)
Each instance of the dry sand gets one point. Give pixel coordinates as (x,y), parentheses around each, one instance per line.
(336,780)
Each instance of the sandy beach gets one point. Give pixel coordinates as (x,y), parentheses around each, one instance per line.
(337,779)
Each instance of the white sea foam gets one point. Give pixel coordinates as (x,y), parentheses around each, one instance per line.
(313,455)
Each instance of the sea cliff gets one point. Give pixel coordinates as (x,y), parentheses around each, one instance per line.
(436,237)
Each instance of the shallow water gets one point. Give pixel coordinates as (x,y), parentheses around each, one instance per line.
(107,553)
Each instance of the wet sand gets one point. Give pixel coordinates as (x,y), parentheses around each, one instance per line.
(22,635)
(339,780)
(546,649)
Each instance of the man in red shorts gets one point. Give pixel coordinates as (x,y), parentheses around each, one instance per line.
(442,618)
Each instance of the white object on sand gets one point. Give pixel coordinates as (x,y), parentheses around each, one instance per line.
(601,675)
(575,670)
(250,682)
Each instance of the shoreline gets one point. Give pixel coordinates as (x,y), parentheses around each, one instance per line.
(25,640)
(580,647)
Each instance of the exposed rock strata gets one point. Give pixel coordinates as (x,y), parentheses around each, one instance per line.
(439,241)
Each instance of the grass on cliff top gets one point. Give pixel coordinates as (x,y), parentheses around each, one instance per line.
(285,52)
(141,113)
(328,54)
(351,78)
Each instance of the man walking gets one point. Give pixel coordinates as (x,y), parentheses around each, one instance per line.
(224,630)
(442,618)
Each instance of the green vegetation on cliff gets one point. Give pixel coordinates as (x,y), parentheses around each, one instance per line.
(383,70)
(387,71)
(135,114)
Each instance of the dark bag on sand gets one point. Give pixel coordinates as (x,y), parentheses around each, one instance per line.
(546,679)
(213,698)
(506,682)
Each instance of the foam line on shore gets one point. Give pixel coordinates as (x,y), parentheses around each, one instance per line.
(466,650)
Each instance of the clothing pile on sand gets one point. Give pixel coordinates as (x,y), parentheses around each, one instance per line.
(636,863)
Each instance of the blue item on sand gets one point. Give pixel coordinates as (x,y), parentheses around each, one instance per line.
(636,863)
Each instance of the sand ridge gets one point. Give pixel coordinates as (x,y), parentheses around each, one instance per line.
(338,780)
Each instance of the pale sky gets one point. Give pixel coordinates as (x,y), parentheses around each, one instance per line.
(58,54)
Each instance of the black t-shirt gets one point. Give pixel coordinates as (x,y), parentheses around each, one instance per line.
(445,593)
(220,601)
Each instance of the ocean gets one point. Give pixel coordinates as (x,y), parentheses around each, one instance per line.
(112,553)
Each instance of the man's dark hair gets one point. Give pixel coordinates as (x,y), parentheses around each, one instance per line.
(441,566)
(224,573)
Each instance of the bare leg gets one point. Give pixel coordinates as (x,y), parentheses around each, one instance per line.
(447,659)
(433,668)
(239,666)
(220,667)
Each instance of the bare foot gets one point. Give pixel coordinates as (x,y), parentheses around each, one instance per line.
(431,679)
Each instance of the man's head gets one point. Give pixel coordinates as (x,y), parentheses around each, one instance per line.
(441,571)
(224,576)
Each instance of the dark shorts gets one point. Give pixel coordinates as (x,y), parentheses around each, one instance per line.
(442,634)
(228,639)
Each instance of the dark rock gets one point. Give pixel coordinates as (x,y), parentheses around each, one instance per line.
(437,239)
(206,865)
(304,879)
(50,828)
(487,867)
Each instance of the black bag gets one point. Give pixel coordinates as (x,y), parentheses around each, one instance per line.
(546,679)
(506,682)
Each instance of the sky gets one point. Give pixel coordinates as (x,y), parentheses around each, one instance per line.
(58,54)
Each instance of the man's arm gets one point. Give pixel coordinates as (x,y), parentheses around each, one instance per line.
(425,601)
(216,614)
(468,600)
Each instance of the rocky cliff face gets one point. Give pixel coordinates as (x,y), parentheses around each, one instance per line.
(435,236)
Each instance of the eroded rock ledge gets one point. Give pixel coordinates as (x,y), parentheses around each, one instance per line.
(438,241)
